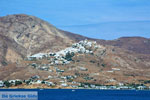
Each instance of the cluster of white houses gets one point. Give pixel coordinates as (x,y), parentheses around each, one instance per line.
(103,87)
(64,56)
(63,84)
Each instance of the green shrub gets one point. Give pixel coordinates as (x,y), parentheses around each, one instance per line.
(4,63)
(18,83)
(7,84)
(69,56)
(103,65)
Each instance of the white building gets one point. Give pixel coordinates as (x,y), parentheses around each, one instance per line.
(38,56)
(115,69)
(1,83)
(64,84)
(82,68)
(12,82)
(102,87)
(141,87)
(49,83)
(38,82)
(123,87)
(110,71)
(93,86)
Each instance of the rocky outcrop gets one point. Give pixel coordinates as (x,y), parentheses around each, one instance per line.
(10,51)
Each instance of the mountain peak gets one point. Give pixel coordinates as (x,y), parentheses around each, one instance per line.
(32,33)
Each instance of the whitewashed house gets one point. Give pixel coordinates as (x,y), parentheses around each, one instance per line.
(115,69)
(93,86)
(110,71)
(49,83)
(141,87)
(38,82)
(62,81)
(38,56)
(123,87)
(121,84)
(82,68)
(102,87)
(86,86)
(64,84)
(1,83)
(12,82)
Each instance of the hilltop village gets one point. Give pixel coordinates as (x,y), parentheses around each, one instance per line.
(63,76)
(64,56)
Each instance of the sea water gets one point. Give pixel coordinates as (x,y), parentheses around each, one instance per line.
(87,94)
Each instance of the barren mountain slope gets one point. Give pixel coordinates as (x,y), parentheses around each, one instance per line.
(23,35)
(101,67)
(136,44)
(34,34)
(123,60)
(10,51)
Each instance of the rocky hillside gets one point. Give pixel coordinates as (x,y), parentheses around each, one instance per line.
(30,46)
(83,62)
(136,44)
(10,51)
(34,34)
(24,35)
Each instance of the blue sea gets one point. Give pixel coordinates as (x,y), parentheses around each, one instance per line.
(85,94)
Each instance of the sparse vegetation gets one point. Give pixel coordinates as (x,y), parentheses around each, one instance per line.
(92,61)
(7,84)
(4,63)
(103,65)
(18,83)
(69,56)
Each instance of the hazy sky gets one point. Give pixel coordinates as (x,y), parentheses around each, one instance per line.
(104,19)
